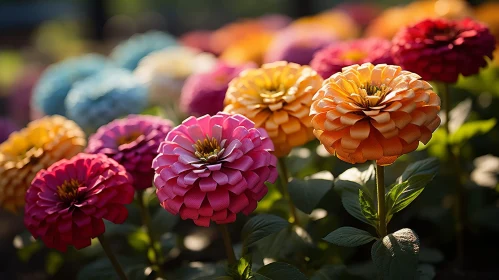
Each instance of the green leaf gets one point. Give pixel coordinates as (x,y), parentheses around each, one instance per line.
(285,243)
(401,195)
(244,267)
(139,240)
(279,271)
(427,166)
(396,255)
(349,237)
(306,194)
(261,226)
(53,262)
(459,114)
(471,129)
(155,111)
(350,183)
(367,207)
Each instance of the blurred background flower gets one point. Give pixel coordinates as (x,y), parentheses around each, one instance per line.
(128,54)
(133,142)
(204,93)
(341,54)
(56,81)
(7,126)
(164,72)
(441,50)
(105,96)
(31,149)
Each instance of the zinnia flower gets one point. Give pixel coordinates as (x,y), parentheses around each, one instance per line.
(133,142)
(440,50)
(335,23)
(393,19)
(204,93)
(165,72)
(37,146)
(372,112)
(57,80)
(197,39)
(252,48)
(213,167)
(298,45)
(7,127)
(341,54)
(128,54)
(106,96)
(276,97)
(66,203)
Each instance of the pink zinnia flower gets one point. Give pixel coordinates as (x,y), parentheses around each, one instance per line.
(441,49)
(133,142)
(66,203)
(342,54)
(204,93)
(213,167)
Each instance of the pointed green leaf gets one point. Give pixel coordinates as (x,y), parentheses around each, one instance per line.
(261,226)
(349,237)
(396,255)
(367,207)
(350,183)
(279,271)
(401,195)
(471,129)
(427,166)
(306,194)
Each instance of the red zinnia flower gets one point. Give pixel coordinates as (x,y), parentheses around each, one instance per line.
(342,54)
(66,203)
(440,49)
(132,142)
(213,167)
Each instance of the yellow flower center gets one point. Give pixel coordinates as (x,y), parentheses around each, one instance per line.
(208,150)
(272,95)
(129,138)
(371,94)
(68,191)
(353,55)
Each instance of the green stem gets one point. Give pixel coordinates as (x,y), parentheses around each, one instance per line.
(146,221)
(458,205)
(112,257)
(229,250)
(284,178)
(380,190)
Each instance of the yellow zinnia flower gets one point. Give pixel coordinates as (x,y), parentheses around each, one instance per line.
(277,97)
(35,147)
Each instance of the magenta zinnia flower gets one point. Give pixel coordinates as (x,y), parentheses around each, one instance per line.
(133,142)
(342,54)
(204,93)
(441,49)
(66,203)
(213,167)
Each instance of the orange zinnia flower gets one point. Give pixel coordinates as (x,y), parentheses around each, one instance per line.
(372,112)
(277,97)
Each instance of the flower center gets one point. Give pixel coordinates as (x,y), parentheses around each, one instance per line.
(129,138)
(208,150)
(444,34)
(354,55)
(273,94)
(371,94)
(68,191)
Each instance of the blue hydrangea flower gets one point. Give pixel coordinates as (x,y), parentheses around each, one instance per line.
(105,96)
(56,81)
(128,54)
